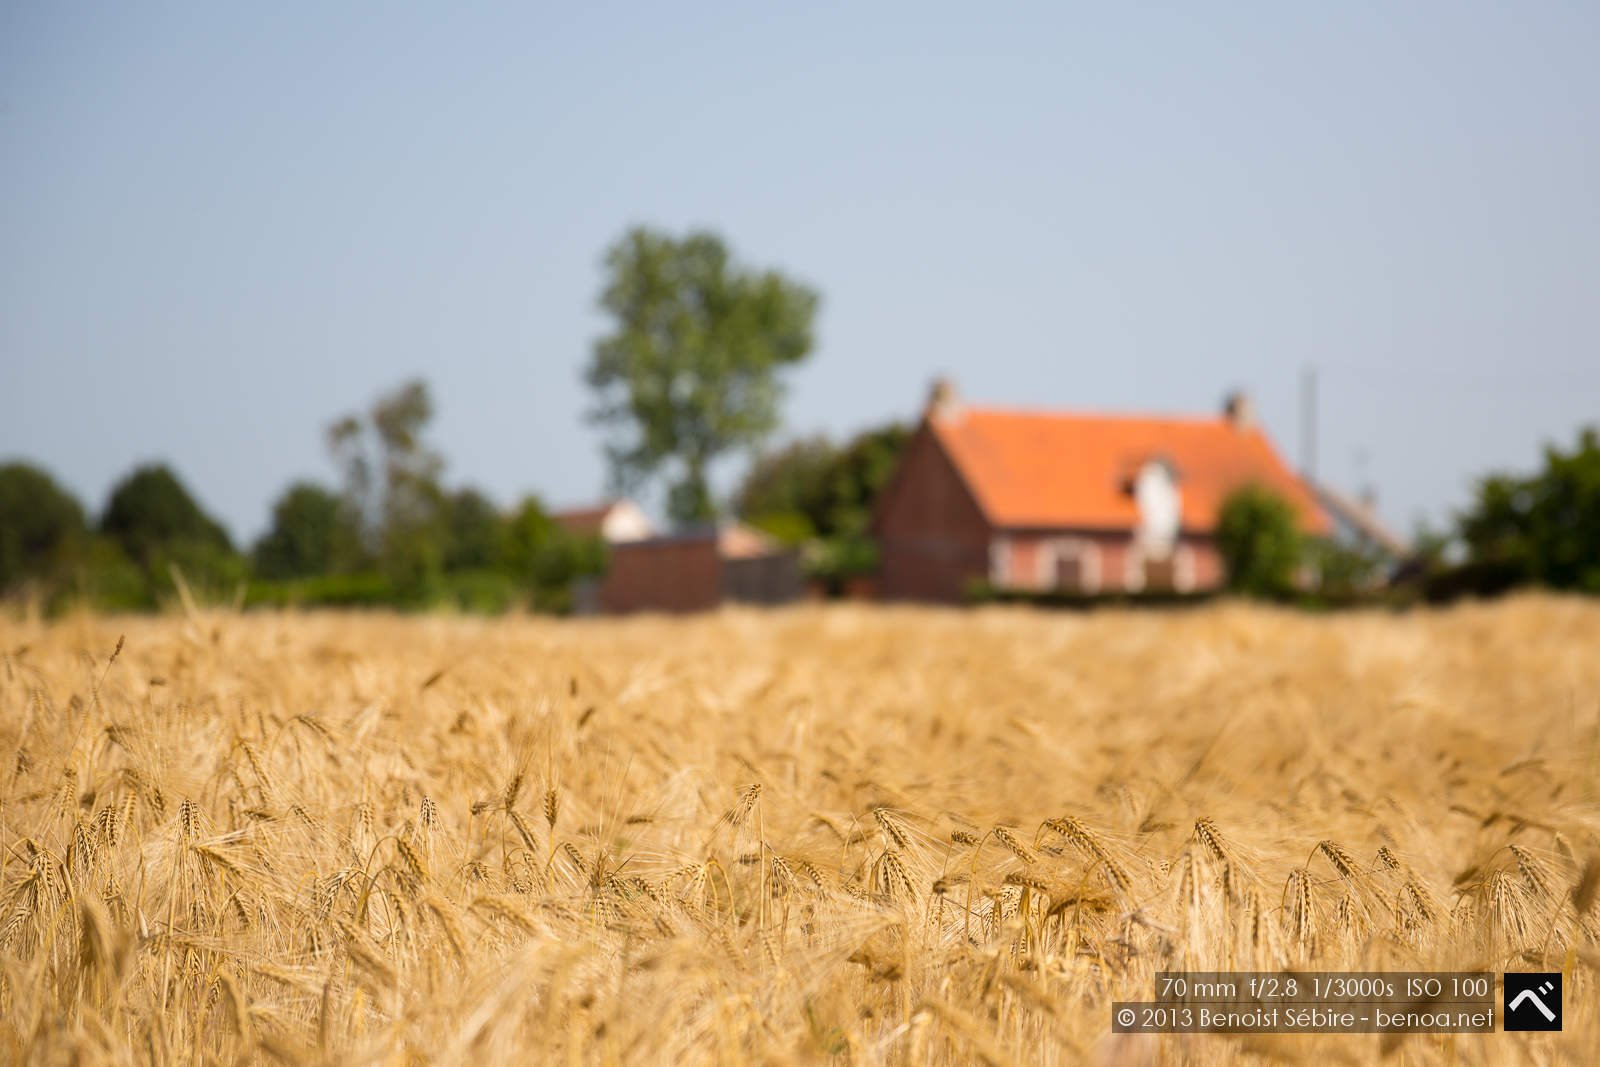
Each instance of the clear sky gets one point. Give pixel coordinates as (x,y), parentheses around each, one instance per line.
(223,225)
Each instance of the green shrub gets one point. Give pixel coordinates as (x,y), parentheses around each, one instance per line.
(481,592)
(103,577)
(368,589)
(1259,543)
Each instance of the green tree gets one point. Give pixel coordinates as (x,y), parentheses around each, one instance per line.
(546,559)
(814,492)
(1259,542)
(391,487)
(158,525)
(474,531)
(1342,571)
(690,369)
(41,526)
(787,489)
(312,534)
(150,512)
(1545,527)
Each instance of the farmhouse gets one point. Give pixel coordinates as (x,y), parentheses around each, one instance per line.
(1079,503)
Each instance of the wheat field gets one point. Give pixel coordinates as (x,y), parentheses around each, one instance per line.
(819,835)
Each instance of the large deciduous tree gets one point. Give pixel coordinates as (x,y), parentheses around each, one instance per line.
(392,487)
(689,371)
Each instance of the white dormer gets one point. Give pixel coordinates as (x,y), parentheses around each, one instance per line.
(1155,491)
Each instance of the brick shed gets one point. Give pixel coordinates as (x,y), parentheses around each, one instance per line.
(698,571)
(1084,503)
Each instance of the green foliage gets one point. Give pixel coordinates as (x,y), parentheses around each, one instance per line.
(546,559)
(791,528)
(395,536)
(1259,542)
(689,371)
(482,592)
(793,480)
(813,491)
(312,533)
(392,491)
(528,529)
(1543,528)
(835,560)
(1342,572)
(105,578)
(365,589)
(474,531)
(41,526)
(210,572)
(160,528)
(150,512)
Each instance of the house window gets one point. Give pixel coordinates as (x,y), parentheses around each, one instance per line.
(1077,566)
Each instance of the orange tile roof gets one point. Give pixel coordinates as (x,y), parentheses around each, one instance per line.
(1042,469)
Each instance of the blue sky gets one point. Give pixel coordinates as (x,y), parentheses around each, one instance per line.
(224,225)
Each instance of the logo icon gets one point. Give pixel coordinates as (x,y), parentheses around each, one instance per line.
(1533,1000)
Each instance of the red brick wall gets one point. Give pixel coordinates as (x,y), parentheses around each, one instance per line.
(676,575)
(1208,573)
(932,538)
(1022,567)
(1025,571)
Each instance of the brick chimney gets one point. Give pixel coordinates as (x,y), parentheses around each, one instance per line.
(1239,411)
(943,403)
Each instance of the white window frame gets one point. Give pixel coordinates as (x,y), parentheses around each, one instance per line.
(1087,554)
(999,559)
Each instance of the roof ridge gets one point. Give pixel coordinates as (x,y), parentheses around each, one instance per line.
(1087,414)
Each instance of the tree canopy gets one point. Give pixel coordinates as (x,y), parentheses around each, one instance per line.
(391,486)
(40,524)
(1543,527)
(151,511)
(474,531)
(689,371)
(163,531)
(816,493)
(312,533)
